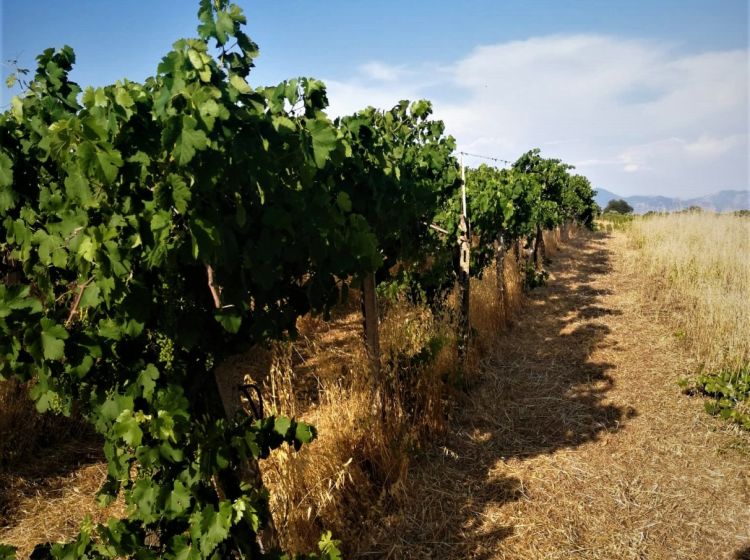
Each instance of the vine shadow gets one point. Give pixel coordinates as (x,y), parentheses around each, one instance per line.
(539,393)
(46,471)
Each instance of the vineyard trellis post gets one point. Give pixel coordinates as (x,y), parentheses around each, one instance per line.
(500,250)
(372,339)
(464,244)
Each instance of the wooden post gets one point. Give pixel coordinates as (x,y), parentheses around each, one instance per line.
(500,250)
(372,341)
(464,259)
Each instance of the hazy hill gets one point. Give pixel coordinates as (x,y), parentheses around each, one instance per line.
(722,201)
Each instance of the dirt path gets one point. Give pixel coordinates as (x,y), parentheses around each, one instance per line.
(577,443)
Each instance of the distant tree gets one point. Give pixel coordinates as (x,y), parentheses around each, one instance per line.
(619,206)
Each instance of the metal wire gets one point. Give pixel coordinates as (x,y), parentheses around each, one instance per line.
(505,161)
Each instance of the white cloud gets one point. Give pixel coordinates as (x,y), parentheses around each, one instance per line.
(711,146)
(636,116)
(381,72)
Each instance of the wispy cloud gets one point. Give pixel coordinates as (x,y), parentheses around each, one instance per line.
(382,72)
(635,115)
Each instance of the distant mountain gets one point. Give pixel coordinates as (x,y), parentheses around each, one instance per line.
(722,201)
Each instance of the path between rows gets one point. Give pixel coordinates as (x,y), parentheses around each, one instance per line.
(577,442)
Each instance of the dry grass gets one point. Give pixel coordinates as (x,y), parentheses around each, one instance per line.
(491,309)
(357,463)
(697,268)
(357,466)
(572,442)
(50,468)
(576,443)
(356,471)
(44,499)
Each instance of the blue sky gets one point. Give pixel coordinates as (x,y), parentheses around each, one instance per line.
(643,96)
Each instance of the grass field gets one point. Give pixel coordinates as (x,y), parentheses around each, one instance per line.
(696,271)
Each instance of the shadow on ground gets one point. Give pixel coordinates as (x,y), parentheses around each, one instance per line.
(45,471)
(539,393)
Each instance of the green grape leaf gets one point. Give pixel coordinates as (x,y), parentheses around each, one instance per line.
(143,499)
(179,499)
(126,427)
(281,425)
(230,319)
(210,527)
(344,202)
(6,170)
(324,140)
(188,141)
(240,84)
(224,26)
(304,433)
(53,337)
(100,162)
(147,380)
(122,97)
(180,192)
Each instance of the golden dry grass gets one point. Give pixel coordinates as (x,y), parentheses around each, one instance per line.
(356,472)
(696,270)
(577,442)
(357,468)
(45,498)
(49,466)
(356,462)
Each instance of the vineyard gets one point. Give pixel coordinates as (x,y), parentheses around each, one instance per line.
(215,277)
(152,229)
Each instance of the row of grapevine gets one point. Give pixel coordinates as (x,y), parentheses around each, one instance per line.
(518,204)
(152,229)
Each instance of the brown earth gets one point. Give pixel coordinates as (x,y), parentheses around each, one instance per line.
(577,442)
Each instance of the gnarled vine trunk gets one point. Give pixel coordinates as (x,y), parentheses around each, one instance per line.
(539,253)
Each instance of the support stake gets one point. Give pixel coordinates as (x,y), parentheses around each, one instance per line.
(500,251)
(372,340)
(464,245)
